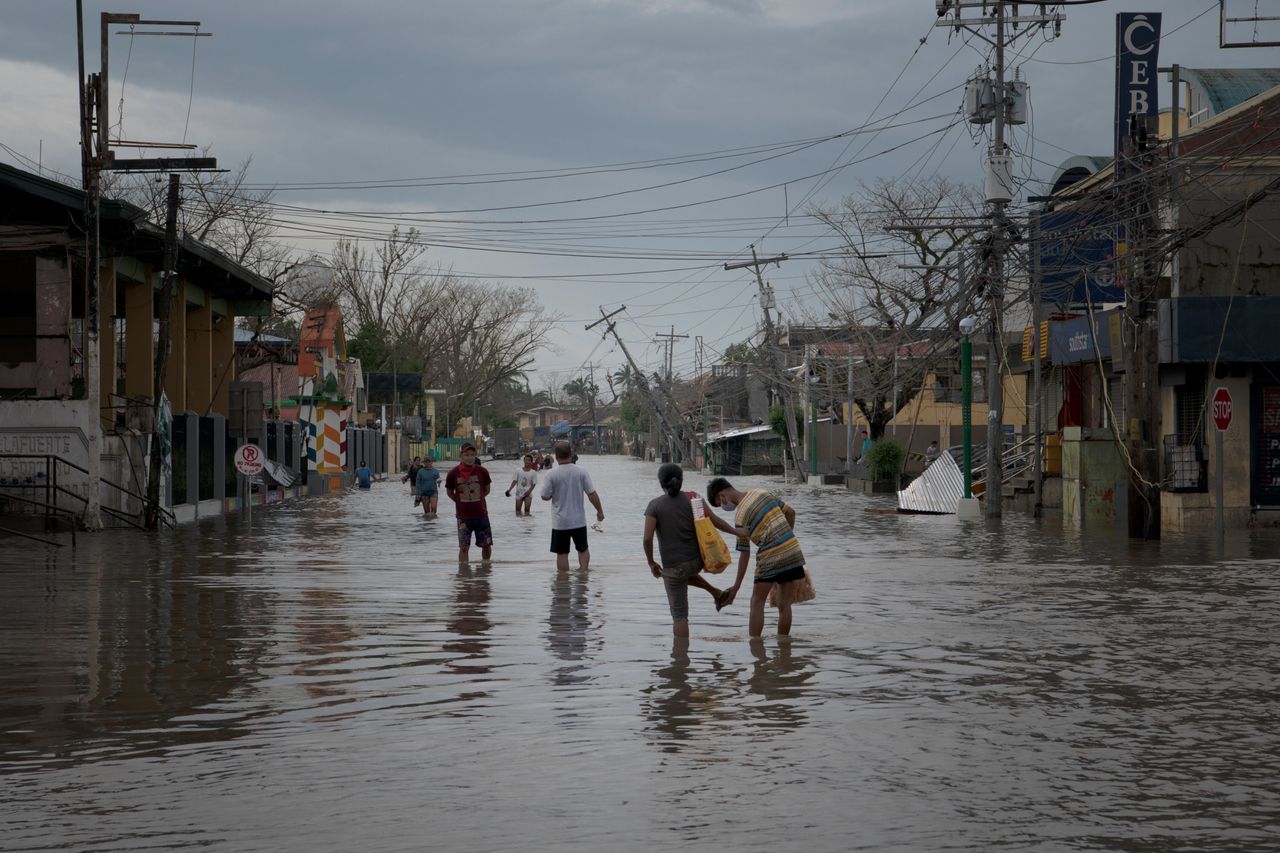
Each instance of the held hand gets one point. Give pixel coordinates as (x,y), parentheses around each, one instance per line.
(742,532)
(727,597)
(655,568)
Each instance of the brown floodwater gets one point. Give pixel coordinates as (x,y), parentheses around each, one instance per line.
(328,678)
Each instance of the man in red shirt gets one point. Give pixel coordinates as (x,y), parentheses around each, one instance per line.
(467,485)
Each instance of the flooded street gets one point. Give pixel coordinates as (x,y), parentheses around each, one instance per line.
(330,679)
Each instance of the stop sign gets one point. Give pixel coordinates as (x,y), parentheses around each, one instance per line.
(1222,409)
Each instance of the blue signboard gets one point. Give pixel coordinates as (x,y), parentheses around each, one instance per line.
(1137,55)
(1073,341)
(1077,248)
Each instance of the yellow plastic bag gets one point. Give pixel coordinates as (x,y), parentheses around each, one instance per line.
(715,554)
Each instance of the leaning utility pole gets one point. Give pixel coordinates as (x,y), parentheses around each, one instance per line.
(671,429)
(771,349)
(1000,102)
(97,156)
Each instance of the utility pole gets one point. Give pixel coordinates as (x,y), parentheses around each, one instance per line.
(771,348)
(669,340)
(1141,380)
(163,342)
(97,156)
(673,427)
(591,389)
(1037,381)
(706,427)
(665,385)
(997,101)
(848,418)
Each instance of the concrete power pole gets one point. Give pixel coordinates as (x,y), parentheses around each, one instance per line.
(591,389)
(671,426)
(163,343)
(992,100)
(96,156)
(771,350)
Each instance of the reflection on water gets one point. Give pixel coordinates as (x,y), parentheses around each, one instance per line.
(329,678)
(568,626)
(469,620)
(779,680)
(324,638)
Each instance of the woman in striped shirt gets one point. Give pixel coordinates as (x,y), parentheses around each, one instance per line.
(779,560)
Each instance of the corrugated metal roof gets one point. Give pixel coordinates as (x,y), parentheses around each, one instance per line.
(938,490)
(738,432)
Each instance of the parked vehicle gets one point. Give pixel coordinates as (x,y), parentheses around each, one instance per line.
(506,443)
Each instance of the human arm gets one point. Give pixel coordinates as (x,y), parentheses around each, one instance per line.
(512,486)
(595,502)
(650,525)
(488,483)
(725,526)
(790,515)
(744,559)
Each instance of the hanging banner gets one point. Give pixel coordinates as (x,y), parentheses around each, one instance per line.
(1137,55)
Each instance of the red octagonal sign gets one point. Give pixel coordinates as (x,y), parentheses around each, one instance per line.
(1222,409)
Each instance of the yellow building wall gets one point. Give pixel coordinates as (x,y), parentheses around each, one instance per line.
(924,410)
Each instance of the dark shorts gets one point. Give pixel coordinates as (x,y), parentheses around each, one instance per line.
(478,526)
(428,493)
(560,540)
(785,576)
(676,580)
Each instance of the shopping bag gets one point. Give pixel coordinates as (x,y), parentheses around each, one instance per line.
(715,554)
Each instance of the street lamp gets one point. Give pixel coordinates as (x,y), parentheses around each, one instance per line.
(448,423)
(968,505)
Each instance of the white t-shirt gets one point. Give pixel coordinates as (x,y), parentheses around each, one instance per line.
(568,486)
(525,481)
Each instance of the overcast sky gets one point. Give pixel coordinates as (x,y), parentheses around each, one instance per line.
(393,90)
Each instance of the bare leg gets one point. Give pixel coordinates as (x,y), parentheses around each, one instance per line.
(680,629)
(759,595)
(562,562)
(464,555)
(702,583)
(426,505)
(784,608)
(528,504)
(518,502)
(486,553)
(584,559)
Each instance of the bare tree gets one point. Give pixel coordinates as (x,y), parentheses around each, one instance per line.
(900,286)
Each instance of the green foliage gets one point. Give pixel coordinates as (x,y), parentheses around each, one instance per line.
(778,420)
(500,421)
(885,459)
(634,413)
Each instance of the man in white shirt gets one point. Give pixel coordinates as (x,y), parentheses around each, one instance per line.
(523,482)
(565,487)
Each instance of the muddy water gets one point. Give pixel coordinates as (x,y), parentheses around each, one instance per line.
(330,679)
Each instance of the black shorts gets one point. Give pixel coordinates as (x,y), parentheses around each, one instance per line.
(785,576)
(560,540)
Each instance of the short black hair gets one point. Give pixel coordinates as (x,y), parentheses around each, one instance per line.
(564,450)
(715,487)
